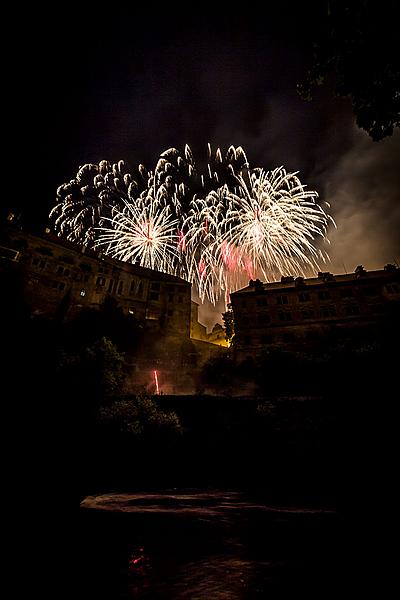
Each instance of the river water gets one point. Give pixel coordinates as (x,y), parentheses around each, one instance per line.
(206,545)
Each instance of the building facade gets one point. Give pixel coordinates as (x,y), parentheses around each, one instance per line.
(60,279)
(295,313)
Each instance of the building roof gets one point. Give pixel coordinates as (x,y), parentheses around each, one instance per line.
(54,240)
(288,283)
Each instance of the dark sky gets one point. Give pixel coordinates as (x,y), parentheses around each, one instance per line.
(114,84)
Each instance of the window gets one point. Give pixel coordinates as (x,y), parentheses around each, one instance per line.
(307,314)
(110,286)
(170,297)
(285,316)
(85,267)
(261,302)
(378,308)
(83,292)
(372,290)
(352,309)
(328,311)
(67,259)
(120,287)
(100,281)
(133,286)
(288,337)
(155,286)
(9,253)
(264,318)
(281,299)
(39,262)
(266,339)
(180,299)
(170,312)
(154,296)
(86,278)
(140,289)
(151,315)
(312,335)
(324,295)
(346,293)
(304,297)
(132,310)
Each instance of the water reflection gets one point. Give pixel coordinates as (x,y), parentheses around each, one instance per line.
(204,545)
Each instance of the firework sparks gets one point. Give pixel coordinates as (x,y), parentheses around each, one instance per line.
(216,228)
(156,382)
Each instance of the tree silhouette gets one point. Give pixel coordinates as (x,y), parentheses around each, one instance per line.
(356,44)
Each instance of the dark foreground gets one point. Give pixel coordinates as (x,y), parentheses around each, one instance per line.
(206,545)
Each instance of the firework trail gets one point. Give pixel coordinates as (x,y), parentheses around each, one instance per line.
(217,227)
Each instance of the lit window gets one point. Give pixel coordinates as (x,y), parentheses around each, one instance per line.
(100,281)
(132,310)
(9,253)
(83,292)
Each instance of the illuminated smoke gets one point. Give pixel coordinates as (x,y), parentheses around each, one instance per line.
(217,227)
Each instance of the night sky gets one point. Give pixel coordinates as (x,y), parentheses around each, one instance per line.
(128,85)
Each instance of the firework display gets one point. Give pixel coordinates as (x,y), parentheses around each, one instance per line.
(217,227)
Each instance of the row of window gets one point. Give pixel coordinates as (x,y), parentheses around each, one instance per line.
(392,288)
(286,337)
(41,264)
(306,314)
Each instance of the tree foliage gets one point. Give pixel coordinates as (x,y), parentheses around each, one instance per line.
(140,417)
(357,43)
(229,325)
(96,370)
